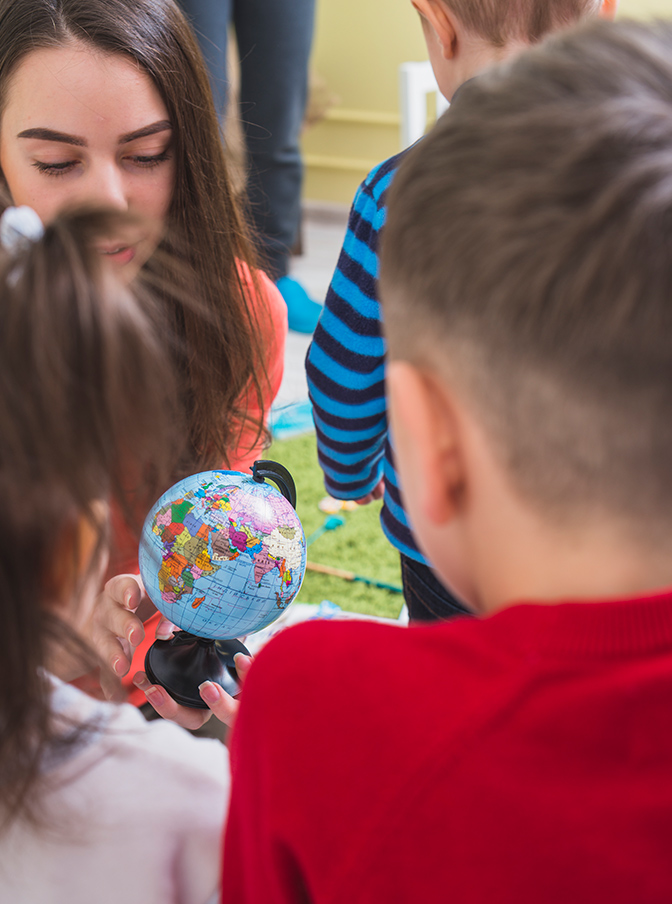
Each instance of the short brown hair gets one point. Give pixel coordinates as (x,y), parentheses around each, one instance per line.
(501,21)
(532,230)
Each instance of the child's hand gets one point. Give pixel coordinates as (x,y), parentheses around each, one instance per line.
(220,704)
(115,629)
(376,493)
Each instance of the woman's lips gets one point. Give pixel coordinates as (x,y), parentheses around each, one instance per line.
(118,254)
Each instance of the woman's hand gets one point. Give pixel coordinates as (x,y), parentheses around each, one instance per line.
(115,627)
(220,704)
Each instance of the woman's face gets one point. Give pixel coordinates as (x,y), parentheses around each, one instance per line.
(83,127)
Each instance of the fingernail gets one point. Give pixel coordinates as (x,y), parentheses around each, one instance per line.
(127,599)
(139,682)
(163,634)
(235,658)
(134,637)
(154,695)
(209,692)
(118,666)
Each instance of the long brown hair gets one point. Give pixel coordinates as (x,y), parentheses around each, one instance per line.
(225,363)
(84,378)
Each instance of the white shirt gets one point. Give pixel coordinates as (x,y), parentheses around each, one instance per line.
(139,809)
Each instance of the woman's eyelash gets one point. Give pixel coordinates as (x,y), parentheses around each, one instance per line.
(153,160)
(53,169)
(60,169)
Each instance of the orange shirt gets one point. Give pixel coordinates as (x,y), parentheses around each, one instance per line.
(124,556)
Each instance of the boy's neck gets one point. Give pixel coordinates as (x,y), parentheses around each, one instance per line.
(523,552)
(475,57)
(590,565)
(513,549)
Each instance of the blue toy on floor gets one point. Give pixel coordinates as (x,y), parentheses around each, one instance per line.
(303,313)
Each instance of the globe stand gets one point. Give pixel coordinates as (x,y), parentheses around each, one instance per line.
(183,663)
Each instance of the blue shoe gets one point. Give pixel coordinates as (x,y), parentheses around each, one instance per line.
(302,312)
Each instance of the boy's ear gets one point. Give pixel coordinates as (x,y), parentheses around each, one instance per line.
(608,9)
(427,444)
(442,23)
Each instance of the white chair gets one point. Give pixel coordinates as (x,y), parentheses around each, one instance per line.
(416,81)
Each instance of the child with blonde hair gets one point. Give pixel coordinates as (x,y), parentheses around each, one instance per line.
(345,365)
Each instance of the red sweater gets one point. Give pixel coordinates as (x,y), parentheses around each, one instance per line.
(523,757)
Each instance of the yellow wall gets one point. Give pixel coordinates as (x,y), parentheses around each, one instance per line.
(358,47)
(645,9)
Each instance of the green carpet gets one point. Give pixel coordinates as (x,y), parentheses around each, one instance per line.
(358,546)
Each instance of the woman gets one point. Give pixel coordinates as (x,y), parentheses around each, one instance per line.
(107,102)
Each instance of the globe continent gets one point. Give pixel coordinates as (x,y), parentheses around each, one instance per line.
(222,555)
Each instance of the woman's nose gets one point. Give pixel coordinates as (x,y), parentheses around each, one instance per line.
(105,188)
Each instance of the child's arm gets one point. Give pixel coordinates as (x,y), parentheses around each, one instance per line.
(345,362)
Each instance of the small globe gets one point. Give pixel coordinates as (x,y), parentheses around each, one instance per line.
(222,555)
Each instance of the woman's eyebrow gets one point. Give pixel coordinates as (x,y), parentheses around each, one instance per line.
(162,126)
(52,135)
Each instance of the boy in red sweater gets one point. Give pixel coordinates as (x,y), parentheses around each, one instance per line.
(524,756)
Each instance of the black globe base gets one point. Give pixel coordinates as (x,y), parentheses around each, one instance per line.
(183,663)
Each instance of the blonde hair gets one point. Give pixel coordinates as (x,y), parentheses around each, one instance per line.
(502,21)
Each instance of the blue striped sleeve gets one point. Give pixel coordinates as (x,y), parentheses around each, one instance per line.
(345,363)
(345,367)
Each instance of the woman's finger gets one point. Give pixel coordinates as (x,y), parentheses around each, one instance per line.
(221,704)
(165,629)
(243,665)
(114,651)
(114,629)
(167,708)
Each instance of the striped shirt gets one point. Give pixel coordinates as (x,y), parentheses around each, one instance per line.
(345,367)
